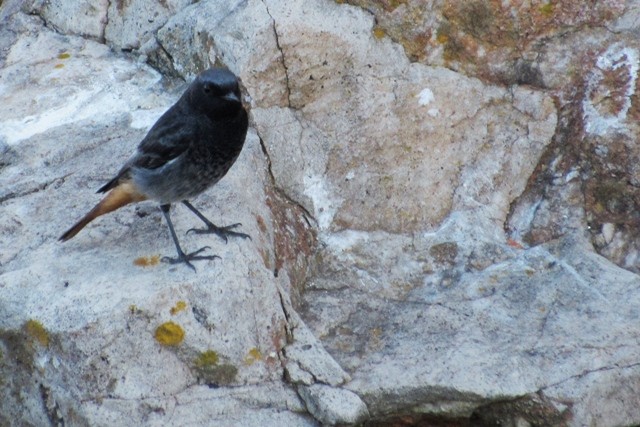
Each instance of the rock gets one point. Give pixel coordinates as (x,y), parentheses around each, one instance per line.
(266,404)
(429,195)
(475,316)
(207,30)
(124,25)
(116,330)
(307,360)
(132,23)
(85,18)
(333,406)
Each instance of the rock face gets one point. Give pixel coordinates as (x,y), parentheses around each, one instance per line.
(441,199)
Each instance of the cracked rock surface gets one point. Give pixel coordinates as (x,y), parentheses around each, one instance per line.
(419,203)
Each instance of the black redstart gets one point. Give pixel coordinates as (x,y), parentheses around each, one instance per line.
(190,148)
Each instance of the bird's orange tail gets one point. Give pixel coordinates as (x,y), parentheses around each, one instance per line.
(119,196)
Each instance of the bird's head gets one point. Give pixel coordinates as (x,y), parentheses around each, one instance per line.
(215,92)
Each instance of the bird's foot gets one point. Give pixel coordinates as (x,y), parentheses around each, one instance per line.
(222,232)
(186,258)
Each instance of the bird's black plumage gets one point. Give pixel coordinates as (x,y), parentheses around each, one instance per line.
(189,148)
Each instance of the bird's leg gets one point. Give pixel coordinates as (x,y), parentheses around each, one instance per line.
(182,257)
(222,232)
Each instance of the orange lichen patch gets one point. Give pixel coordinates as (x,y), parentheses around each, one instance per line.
(180,305)
(379,32)
(64,55)
(36,331)
(169,334)
(482,33)
(416,45)
(442,36)
(253,356)
(58,66)
(145,261)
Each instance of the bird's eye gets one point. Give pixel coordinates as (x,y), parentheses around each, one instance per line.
(207,88)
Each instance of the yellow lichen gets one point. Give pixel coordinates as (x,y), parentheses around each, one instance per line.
(206,359)
(180,305)
(547,9)
(58,66)
(36,331)
(64,55)
(209,370)
(145,261)
(253,356)
(169,334)
(134,310)
(379,32)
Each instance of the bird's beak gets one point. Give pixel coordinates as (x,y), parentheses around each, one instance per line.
(231,97)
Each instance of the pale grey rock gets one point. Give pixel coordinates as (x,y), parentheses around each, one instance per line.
(132,23)
(423,296)
(366,102)
(308,362)
(295,374)
(299,154)
(616,385)
(125,25)
(630,19)
(206,31)
(268,404)
(534,321)
(85,17)
(332,406)
(365,92)
(79,319)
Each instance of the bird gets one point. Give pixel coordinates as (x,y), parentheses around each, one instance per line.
(189,149)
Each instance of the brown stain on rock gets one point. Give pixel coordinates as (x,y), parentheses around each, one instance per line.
(147,261)
(295,239)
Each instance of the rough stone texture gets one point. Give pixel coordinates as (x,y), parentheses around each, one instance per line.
(133,23)
(306,360)
(586,56)
(72,113)
(333,406)
(86,18)
(431,187)
(123,24)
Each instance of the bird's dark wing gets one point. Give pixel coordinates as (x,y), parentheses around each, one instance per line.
(169,137)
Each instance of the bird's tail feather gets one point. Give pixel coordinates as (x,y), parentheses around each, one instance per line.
(119,196)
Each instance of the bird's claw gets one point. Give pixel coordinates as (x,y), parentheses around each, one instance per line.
(186,258)
(222,232)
